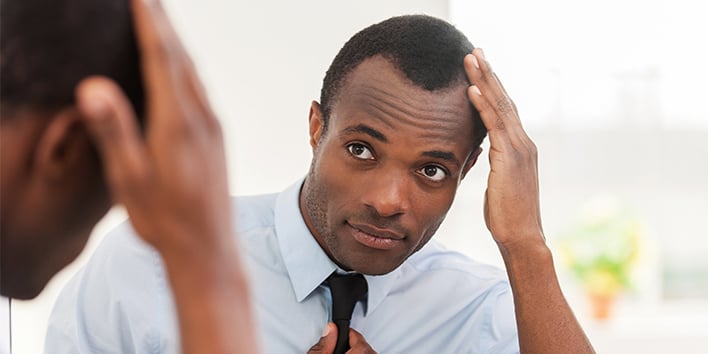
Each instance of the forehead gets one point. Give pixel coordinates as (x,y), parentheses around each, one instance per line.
(378,93)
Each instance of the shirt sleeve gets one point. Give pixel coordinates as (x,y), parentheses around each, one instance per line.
(503,333)
(118,303)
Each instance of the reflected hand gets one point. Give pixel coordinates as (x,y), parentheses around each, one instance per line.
(511,209)
(172,180)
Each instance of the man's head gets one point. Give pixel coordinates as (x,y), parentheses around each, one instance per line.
(52,191)
(392,139)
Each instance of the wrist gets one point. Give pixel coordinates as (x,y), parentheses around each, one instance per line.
(198,241)
(523,242)
(529,266)
(212,296)
(528,250)
(206,261)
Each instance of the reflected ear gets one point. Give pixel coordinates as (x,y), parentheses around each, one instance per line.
(471,161)
(63,146)
(316,124)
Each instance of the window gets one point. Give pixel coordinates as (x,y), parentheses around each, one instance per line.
(613,92)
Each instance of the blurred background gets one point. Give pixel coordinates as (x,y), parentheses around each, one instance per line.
(612,92)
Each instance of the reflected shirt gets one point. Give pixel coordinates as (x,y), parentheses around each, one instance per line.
(437,301)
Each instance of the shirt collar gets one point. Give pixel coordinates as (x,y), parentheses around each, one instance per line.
(307,264)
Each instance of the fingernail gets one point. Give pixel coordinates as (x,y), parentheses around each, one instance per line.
(95,105)
(326,331)
(481,53)
(476,90)
(475,62)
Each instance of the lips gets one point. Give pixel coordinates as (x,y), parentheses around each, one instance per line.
(374,237)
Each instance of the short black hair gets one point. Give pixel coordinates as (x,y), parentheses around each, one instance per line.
(428,50)
(48,46)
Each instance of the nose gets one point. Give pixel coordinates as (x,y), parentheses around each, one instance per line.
(388,195)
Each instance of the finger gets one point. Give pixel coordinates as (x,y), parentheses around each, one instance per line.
(491,87)
(114,129)
(358,343)
(505,103)
(487,220)
(496,128)
(503,91)
(162,54)
(327,342)
(480,73)
(488,94)
(485,66)
(166,64)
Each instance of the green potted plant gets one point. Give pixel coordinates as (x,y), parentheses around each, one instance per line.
(601,251)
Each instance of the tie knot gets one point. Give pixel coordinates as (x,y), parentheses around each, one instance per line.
(346,290)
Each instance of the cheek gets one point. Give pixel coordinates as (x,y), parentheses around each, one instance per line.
(431,209)
(329,185)
(428,232)
(333,174)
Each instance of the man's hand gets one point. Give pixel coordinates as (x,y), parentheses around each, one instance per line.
(173,183)
(511,208)
(328,341)
(545,322)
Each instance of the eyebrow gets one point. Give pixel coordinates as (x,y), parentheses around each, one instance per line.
(443,155)
(365,129)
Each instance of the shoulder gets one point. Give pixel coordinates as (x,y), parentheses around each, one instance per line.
(469,285)
(254,211)
(436,260)
(478,294)
(120,301)
(467,302)
(124,265)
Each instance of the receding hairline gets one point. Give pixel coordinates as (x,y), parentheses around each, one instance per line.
(462,82)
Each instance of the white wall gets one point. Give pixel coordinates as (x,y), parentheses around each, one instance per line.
(262,63)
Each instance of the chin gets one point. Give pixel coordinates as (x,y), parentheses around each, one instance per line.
(27,270)
(22,285)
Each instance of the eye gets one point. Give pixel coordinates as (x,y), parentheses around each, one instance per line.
(360,151)
(434,173)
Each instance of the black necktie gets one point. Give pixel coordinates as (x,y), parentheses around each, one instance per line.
(346,290)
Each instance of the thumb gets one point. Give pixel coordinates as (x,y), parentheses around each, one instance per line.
(111,122)
(327,342)
(487,219)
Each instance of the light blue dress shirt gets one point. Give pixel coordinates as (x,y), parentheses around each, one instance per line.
(437,301)
(5,325)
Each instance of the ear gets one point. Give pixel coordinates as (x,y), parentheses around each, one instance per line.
(63,147)
(316,124)
(471,161)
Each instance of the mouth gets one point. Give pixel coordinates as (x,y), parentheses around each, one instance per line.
(374,237)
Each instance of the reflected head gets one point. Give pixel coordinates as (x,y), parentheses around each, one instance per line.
(427,50)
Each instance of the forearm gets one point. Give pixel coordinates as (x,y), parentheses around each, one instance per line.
(512,213)
(545,322)
(212,299)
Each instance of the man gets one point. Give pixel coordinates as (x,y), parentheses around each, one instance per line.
(392,138)
(71,87)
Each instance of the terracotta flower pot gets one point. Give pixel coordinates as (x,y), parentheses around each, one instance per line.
(601,306)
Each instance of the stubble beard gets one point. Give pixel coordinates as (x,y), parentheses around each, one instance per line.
(316,208)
